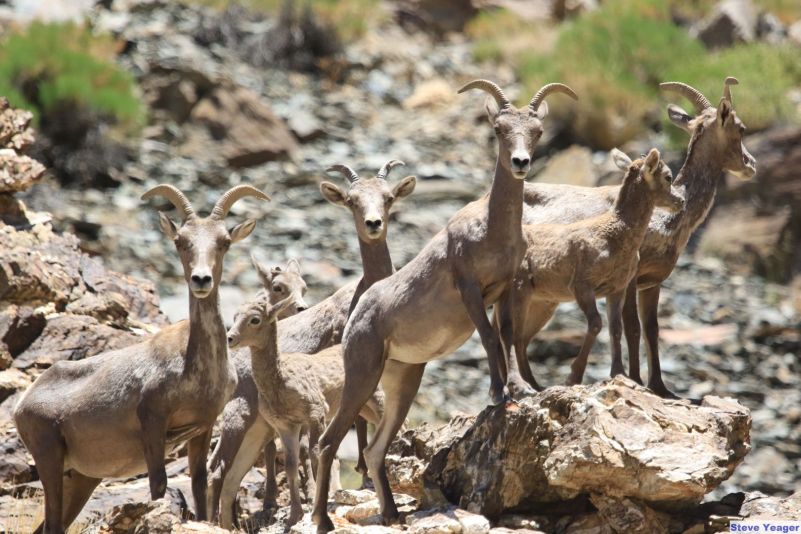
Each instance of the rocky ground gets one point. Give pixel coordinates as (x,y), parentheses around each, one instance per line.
(220,117)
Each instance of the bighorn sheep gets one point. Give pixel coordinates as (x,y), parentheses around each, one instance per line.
(279,284)
(119,413)
(433,304)
(321,326)
(716,145)
(587,259)
(298,391)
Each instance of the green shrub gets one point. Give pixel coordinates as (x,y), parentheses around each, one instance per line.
(350,18)
(615,58)
(55,66)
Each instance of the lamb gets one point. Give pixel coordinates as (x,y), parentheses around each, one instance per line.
(298,391)
(591,258)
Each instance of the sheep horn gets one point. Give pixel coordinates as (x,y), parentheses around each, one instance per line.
(174,195)
(690,93)
(231,196)
(547,90)
(384,171)
(730,80)
(489,87)
(345,171)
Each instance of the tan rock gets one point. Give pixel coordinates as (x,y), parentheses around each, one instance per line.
(572,166)
(627,515)
(614,439)
(760,506)
(353,497)
(431,93)
(442,521)
(244,127)
(363,511)
(11,381)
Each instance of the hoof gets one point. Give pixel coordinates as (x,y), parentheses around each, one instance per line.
(499,397)
(637,378)
(521,390)
(324,524)
(662,390)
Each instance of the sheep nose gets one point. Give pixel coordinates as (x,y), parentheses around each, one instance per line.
(373,224)
(201,280)
(230,340)
(301,308)
(520,162)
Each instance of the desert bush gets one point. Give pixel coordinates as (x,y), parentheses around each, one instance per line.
(49,66)
(84,105)
(616,56)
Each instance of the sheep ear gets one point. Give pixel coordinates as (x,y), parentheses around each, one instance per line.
(167,226)
(492,109)
(241,231)
(652,159)
(293,266)
(405,187)
(333,194)
(724,110)
(273,311)
(679,117)
(542,110)
(621,159)
(265,276)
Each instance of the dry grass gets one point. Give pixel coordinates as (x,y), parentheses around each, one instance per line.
(27,513)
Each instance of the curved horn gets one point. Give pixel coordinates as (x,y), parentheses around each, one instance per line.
(388,166)
(489,87)
(730,80)
(690,93)
(345,171)
(547,90)
(232,196)
(174,195)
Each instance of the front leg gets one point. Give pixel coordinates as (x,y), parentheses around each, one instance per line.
(614,311)
(585,298)
(649,305)
(198,450)
(290,439)
(631,327)
(154,435)
(504,318)
(474,303)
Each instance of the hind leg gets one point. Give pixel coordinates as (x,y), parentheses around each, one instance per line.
(537,316)
(363,354)
(361,438)
(505,322)
(585,298)
(77,490)
(401,382)
(241,463)
(49,458)
(614,311)
(631,327)
(198,451)
(290,439)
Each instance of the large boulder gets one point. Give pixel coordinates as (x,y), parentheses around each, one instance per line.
(614,441)
(731,22)
(243,125)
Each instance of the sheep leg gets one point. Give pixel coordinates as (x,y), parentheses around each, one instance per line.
(154,434)
(473,301)
(361,438)
(239,465)
(237,419)
(505,321)
(363,354)
(401,382)
(50,465)
(77,490)
(614,311)
(631,328)
(197,453)
(648,307)
(290,439)
(585,297)
(270,484)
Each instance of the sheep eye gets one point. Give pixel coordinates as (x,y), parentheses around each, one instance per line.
(278,289)
(255,321)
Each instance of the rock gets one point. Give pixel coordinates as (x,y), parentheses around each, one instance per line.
(759,506)
(353,497)
(11,381)
(627,515)
(17,172)
(613,439)
(731,22)
(19,327)
(305,126)
(15,467)
(363,511)
(440,16)
(443,521)
(244,126)
(472,523)
(73,337)
(770,29)
(794,33)
(15,131)
(572,166)
(431,93)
